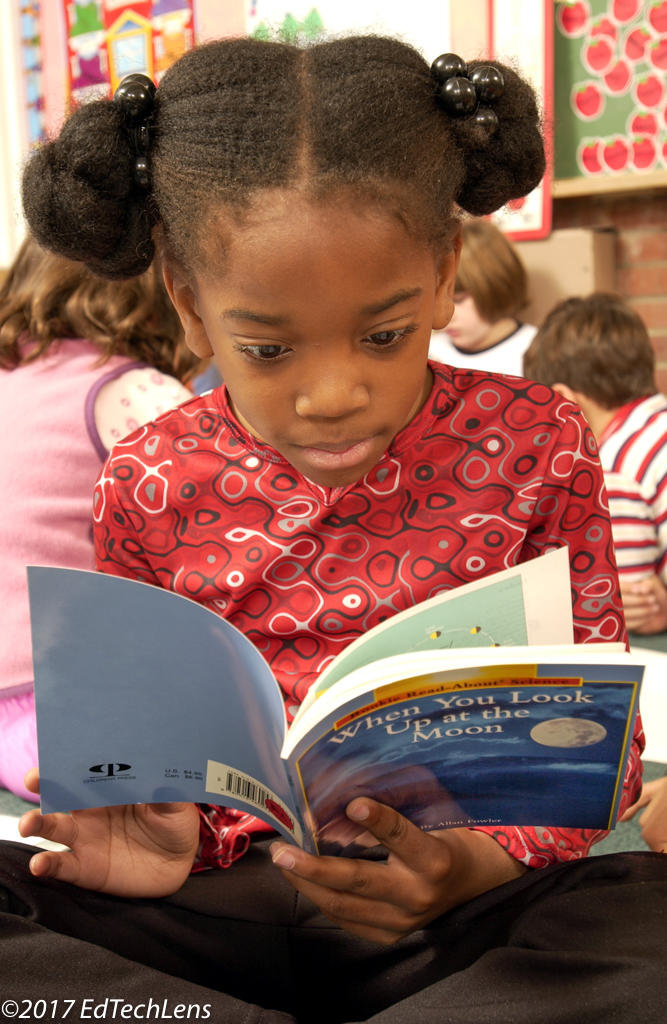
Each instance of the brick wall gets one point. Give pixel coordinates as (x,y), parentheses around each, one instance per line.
(640,223)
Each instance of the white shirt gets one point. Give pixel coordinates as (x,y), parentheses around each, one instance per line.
(506,356)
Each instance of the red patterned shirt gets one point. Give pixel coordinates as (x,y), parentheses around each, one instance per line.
(491,472)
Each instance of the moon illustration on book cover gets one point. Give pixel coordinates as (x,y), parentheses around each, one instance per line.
(568,732)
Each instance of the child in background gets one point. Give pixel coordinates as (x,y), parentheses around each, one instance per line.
(304,203)
(653,820)
(485,331)
(83,361)
(596,352)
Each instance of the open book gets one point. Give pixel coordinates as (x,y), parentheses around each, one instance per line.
(143,695)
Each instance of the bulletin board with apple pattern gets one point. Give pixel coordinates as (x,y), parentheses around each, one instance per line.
(610,89)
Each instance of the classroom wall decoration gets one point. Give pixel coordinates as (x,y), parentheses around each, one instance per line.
(424,23)
(108,39)
(521,34)
(610,88)
(289,29)
(32,69)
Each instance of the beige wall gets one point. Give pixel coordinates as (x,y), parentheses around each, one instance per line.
(638,223)
(572,261)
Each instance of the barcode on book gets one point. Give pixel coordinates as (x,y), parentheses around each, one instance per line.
(225,781)
(241,785)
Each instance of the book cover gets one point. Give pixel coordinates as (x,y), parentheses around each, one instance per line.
(519,742)
(143,695)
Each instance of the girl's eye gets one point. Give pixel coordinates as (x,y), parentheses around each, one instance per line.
(262,353)
(386,339)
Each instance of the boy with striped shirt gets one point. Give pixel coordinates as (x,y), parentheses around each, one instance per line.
(596,352)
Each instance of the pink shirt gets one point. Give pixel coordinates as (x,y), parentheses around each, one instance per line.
(50,454)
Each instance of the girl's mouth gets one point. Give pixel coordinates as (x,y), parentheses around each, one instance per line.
(339,456)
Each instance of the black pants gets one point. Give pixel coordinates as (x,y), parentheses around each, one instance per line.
(582,943)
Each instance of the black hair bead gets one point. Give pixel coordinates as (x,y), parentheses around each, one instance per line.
(448,65)
(135,95)
(458,96)
(460,91)
(143,138)
(489,83)
(486,118)
(142,173)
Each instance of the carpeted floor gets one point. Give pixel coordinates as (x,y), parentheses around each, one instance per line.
(11,808)
(10,804)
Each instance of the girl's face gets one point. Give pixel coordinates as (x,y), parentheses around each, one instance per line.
(320,324)
(467,329)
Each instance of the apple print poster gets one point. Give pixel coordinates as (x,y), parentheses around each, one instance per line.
(610,87)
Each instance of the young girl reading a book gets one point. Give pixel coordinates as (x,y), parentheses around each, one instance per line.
(305,202)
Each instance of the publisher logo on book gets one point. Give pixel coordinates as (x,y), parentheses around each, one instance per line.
(109,770)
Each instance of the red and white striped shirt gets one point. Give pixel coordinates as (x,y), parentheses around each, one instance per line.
(633,454)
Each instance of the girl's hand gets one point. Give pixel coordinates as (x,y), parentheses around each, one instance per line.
(146,850)
(426,874)
(645,605)
(654,819)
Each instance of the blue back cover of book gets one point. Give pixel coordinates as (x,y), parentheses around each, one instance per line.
(137,689)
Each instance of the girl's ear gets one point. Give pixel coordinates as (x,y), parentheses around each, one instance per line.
(184,301)
(447,267)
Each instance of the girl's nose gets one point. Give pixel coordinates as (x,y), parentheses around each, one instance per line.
(331,395)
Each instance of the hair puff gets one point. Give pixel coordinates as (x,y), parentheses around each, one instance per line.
(80,199)
(505,164)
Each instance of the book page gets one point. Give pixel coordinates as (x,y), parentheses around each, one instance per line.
(528,604)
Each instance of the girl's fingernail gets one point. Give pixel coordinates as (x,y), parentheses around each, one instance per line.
(358,811)
(283,857)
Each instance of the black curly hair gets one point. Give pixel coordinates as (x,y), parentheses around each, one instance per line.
(231,117)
